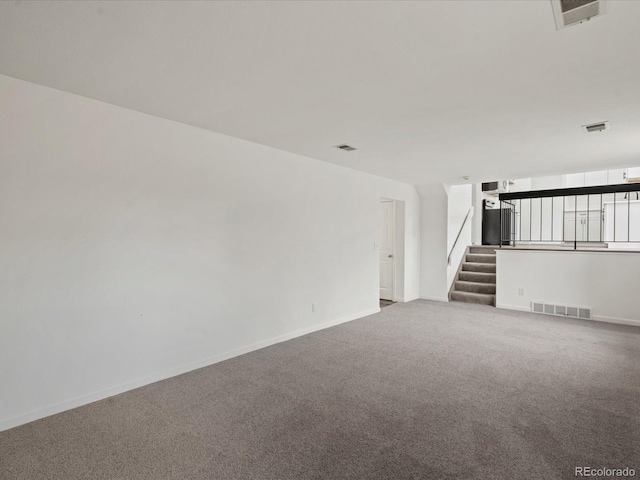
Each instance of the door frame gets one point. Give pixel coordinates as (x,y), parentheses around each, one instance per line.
(398,225)
(392,249)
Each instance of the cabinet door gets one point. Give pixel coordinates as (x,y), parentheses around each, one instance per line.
(594,226)
(596,178)
(572,227)
(582,226)
(617,176)
(633,173)
(574,180)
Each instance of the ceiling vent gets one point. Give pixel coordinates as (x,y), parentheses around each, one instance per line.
(573,12)
(346,147)
(595,127)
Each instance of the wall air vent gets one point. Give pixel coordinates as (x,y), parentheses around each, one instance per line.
(595,127)
(561,310)
(346,147)
(573,12)
(501,186)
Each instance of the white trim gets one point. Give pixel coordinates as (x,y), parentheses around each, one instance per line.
(619,321)
(394,222)
(435,299)
(566,251)
(405,300)
(8,423)
(595,318)
(514,307)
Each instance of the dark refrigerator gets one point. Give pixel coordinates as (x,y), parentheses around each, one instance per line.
(491,225)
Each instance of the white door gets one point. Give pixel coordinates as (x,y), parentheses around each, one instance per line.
(387,234)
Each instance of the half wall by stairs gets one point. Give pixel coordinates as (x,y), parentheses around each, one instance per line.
(475,281)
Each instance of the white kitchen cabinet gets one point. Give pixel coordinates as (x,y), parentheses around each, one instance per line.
(633,174)
(617,176)
(592,179)
(583,226)
(573,180)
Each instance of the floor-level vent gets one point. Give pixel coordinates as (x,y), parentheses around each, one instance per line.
(562,310)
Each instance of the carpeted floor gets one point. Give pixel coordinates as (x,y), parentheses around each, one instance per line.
(420,390)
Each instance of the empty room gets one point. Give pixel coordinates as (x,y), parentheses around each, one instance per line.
(319,239)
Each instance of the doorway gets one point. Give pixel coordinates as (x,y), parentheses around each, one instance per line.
(387,251)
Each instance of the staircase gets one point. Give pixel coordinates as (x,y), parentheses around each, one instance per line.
(475,281)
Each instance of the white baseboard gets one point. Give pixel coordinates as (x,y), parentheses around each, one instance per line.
(596,318)
(8,423)
(406,300)
(513,307)
(435,299)
(619,321)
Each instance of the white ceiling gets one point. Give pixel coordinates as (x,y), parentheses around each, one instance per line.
(427,91)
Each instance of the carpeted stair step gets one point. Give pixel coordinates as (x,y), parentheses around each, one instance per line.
(476,280)
(477,277)
(487,249)
(479,267)
(475,287)
(469,297)
(481,258)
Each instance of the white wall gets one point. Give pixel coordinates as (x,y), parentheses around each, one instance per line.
(433,252)
(135,248)
(459,199)
(476,221)
(442,212)
(458,204)
(607,282)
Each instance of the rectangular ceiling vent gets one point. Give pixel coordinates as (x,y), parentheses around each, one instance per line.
(595,127)
(561,310)
(573,12)
(346,147)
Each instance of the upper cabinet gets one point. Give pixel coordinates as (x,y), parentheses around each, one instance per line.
(633,174)
(617,176)
(596,178)
(573,180)
(602,177)
(587,179)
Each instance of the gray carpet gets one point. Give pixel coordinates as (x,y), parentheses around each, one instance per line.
(386,303)
(420,390)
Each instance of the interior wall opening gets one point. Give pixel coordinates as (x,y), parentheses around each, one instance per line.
(391,251)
